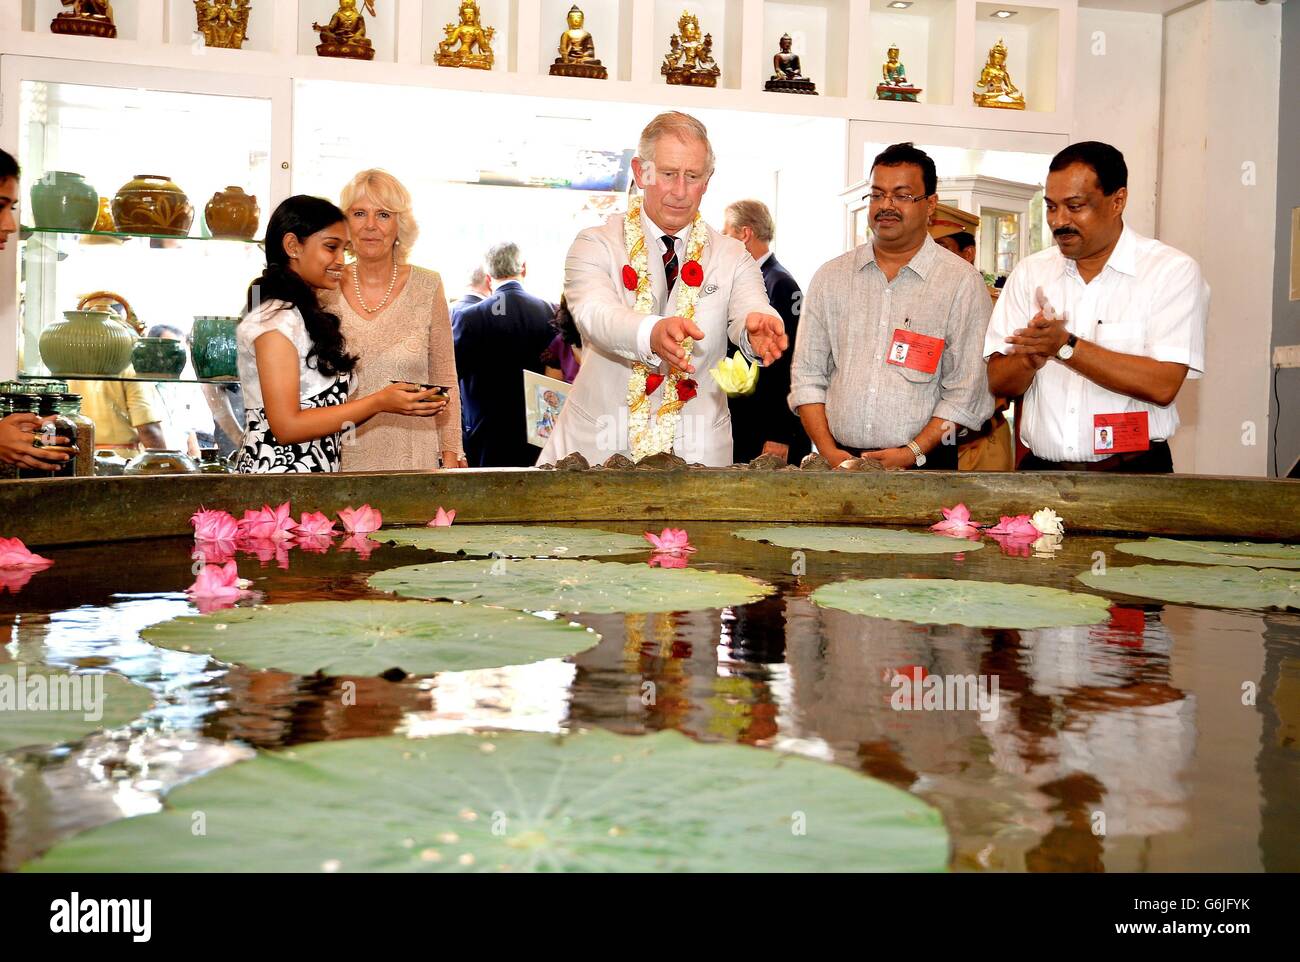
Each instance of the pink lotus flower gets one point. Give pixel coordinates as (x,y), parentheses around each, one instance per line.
(360,544)
(671,541)
(271,524)
(956,521)
(268,550)
(218,585)
(14,554)
(1019,526)
(314,524)
(443,519)
(214,525)
(214,552)
(362,520)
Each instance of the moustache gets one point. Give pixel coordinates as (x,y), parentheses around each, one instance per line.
(886,216)
(1066,232)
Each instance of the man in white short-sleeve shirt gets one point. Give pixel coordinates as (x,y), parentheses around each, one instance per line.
(1099,332)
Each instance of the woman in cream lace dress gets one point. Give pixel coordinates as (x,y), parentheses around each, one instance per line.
(396,321)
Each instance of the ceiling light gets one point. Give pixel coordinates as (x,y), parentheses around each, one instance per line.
(1003,14)
(901,4)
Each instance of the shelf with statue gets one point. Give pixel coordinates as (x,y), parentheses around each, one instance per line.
(468,43)
(895,85)
(85,18)
(577,51)
(788,77)
(997,89)
(689,61)
(345,35)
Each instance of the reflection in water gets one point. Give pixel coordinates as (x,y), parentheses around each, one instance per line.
(1117,746)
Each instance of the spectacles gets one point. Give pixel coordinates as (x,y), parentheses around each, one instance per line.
(899,198)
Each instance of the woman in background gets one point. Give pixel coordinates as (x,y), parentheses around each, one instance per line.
(294,363)
(395,318)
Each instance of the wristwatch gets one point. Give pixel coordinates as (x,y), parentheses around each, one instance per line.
(918,453)
(1067,349)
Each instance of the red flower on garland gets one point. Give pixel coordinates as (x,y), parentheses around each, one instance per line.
(686,388)
(629,277)
(693,273)
(652,382)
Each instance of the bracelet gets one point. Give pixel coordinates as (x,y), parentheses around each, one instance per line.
(916,450)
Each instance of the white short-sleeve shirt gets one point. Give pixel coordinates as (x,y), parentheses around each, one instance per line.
(277,316)
(1149,300)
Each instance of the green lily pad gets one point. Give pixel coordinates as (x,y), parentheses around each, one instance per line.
(371,637)
(980,604)
(90,700)
(571,586)
(858,540)
(1239,553)
(513,541)
(1222,586)
(591,801)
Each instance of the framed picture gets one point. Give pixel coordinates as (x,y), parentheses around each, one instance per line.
(543,401)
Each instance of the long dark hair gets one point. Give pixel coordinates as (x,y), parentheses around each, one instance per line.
(302,216)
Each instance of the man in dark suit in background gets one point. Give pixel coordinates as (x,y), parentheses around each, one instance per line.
(479,289)
(763,423)
(496,340)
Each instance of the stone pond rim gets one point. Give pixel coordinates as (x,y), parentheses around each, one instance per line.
(69,511)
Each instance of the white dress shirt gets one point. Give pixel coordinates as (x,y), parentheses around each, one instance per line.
(655,242)
(1149,300)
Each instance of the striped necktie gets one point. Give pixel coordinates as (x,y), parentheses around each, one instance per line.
(670,261)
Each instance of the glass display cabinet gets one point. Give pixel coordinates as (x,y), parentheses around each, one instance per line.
(138,200)
(1010,220)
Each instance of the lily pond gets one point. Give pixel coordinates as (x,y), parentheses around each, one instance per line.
(489,698)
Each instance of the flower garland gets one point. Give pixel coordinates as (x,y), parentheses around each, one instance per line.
(651,434)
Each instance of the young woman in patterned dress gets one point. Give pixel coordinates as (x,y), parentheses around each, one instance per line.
(293,361)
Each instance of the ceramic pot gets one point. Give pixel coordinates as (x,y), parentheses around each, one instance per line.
(232,214)
(64,201)
(87,342)
(152,204)
(158,357)
(214,349)
(157,461)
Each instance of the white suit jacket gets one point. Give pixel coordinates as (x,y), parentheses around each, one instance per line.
(595,416)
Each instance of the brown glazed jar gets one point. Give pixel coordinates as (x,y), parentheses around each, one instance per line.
(69,405)
(56,425)
(232,214)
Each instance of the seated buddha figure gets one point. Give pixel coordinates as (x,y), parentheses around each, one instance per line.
(578,50)
(690,57)
(464,38)
(347,26)
(998,91)
(894,72)
(786,63)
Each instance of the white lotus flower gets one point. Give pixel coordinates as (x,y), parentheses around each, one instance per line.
(1049,522)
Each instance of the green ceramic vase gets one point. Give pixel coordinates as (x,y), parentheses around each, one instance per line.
(158,357)
(87,343)
(214,349)
(64,201)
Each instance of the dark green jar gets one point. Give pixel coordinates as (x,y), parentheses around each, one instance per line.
(214,348)
(161,357)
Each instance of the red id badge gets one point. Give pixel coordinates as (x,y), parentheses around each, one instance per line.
(920,352)
(1119,433)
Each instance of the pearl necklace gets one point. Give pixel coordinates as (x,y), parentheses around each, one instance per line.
(356,281)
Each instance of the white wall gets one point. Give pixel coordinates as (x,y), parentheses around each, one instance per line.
(1117,98)
(1217,202)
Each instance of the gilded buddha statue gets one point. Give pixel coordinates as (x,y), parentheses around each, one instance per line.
(87,18)
(464,38)
(223,23)
(578,51)
(689,60)
(998,90)
(788,76)
(345,36)
(894,85)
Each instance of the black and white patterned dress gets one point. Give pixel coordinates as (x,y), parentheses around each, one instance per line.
(260,452)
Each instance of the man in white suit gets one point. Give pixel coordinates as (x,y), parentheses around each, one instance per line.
(673,165)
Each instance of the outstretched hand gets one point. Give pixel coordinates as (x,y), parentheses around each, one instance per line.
(767,336)
(666,341)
